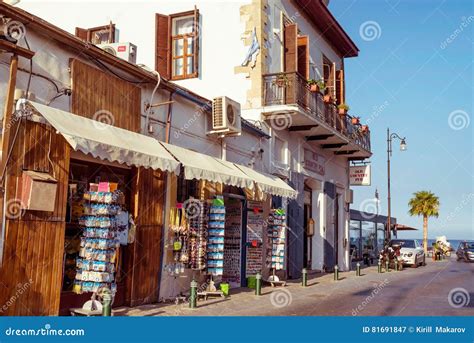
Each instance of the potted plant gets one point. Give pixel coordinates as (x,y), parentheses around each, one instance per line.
(355,120)
(364,129)
(327,96)
(316,85)
(343,108)
(282,81)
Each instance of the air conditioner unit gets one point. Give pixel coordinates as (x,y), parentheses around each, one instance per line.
(126,51)
(225,117)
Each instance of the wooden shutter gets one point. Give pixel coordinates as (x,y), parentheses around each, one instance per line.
(162,46)
(196,41)
(291,61)
(340,91)
(82,34)
(291,48)
(303,56)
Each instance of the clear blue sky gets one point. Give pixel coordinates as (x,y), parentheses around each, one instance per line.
(416,62)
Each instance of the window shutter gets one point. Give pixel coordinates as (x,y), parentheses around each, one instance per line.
(291,61)
(82,34)
(340,87)
(291,46)
(163,52)
(196,41)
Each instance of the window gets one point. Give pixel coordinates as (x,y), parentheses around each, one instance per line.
(279,151)
(177,45)
(97,35)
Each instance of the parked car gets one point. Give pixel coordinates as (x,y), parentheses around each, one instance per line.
(411,251)
(465,252)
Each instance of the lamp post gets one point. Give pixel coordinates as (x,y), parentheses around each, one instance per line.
(403,147)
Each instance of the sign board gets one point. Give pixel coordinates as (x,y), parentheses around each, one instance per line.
(314,162)
(360,175)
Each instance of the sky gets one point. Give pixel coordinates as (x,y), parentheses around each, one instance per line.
(414,75)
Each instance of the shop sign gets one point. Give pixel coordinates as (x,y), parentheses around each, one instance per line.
(314,162)
(360,175)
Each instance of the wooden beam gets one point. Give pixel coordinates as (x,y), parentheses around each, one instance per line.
(302,127)
(318,137)
(357,158)
(15,49)
(333,146)
(345,152)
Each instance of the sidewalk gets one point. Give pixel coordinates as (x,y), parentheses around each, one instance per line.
(278,301)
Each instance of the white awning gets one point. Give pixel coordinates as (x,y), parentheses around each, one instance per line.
(269,183)
(107,142)
(204,167)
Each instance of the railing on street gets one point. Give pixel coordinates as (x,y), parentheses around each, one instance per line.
(292,89)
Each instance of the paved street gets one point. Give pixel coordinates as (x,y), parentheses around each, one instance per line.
(422,291)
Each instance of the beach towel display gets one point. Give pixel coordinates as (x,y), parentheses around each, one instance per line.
(216,230)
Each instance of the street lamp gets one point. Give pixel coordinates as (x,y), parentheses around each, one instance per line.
(403,147)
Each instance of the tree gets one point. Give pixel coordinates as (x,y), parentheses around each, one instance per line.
(426,204)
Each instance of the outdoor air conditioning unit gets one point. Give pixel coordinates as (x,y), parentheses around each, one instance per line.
(225,117)
(126,51)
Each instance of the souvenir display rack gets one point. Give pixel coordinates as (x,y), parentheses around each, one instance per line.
(96,262)
(276,239)
(197,241)
(216,230)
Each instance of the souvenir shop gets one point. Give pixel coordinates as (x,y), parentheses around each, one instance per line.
(222,234)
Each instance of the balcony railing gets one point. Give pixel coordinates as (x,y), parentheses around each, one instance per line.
(292,89)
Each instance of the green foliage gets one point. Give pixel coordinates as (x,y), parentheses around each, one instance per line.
(424,203)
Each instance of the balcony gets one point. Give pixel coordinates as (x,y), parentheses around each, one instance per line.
(288,98)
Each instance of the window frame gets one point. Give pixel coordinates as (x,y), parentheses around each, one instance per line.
(90,32)
(194,14)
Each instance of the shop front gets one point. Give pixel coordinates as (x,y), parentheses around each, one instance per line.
(223,214)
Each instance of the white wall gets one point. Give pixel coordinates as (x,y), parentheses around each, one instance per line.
(221,44)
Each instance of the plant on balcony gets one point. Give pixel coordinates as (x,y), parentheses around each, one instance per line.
(364,129)
(327,96)
(316,85)
(343,108)
(355,120)
(282,81)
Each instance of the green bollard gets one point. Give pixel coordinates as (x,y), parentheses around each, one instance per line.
(387,265)
(258,284)
(358,269)
(396,265)
(304,281)
(106,302)
(193,294)
(379,267)
(336,273)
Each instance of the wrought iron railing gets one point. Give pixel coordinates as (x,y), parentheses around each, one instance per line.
(292,89)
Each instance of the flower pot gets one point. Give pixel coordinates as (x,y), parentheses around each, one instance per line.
(327,98)
(365,129)
(355,121)
(342,112)
(314,88)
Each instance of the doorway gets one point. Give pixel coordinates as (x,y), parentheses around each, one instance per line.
(307,245)
(336,229)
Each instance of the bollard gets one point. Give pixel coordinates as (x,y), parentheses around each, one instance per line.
(304,281)
(358,269)
(106,302)
(387,265)
(379,266)
(258,284)
(336,273)
(193,294)
(396,265)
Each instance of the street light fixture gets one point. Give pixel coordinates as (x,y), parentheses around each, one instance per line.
(403,147)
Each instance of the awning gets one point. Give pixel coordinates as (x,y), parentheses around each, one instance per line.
(107,142)
(204,167)
(400,227)
(269,183)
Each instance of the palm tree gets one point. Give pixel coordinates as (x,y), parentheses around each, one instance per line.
(426,204)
